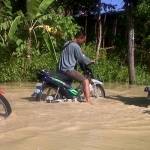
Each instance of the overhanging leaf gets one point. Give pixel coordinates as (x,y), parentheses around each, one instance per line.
(33,8)
(13,27)
(47,41)
(44,5)
(5,25)
(49,44)
(36,7)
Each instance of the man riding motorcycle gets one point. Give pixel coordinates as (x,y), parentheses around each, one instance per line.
(70,57)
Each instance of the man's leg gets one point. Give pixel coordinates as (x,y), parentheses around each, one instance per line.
(86,90)
(75,75)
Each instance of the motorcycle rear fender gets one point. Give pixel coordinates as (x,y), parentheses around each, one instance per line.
(2,91)
(97,82)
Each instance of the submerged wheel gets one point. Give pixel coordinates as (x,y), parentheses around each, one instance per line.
(41,96)
(47,93)
(5,108)
(98,91)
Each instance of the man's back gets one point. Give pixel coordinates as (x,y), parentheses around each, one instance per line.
(71,55)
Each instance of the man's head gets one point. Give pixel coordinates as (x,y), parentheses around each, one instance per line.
(80,37)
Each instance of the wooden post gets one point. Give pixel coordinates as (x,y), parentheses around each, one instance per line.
(99,33)
(131,47)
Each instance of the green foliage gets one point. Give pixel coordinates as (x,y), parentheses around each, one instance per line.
(142,75)
(5,22)
(20,49)
(112,69)
(90,50)
(44,5)
(142,26)
(5,10)
(37,7)
(144,8)
(14,27)
(29,42)
(22,69)
(49,44)
(24,47)
(108,69)
(32,8)
(65,24)
(5,25)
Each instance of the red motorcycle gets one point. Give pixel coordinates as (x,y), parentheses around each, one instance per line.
(5,108)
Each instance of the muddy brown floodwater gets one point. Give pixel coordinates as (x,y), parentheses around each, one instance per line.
(121,121)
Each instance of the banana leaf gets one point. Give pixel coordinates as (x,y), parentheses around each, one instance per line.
(14,27)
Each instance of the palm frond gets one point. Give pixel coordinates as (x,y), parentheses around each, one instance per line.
(49,44)
(32,8)
(5,25)
(14,27)
(44,5)
(44,18)
(37,7)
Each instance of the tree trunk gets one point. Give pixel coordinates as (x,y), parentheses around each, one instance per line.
(99,35)
(99,38)
(131,47)
(104,31)
(114,30)
(115,26)
(86,23)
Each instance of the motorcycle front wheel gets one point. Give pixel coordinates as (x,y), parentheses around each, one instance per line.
(98,91)
(5,108)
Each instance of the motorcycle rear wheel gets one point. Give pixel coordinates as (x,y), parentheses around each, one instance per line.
(48,91)
(5,108)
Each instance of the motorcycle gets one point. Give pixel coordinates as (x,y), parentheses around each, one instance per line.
(147,89)
(56,87)
(5,108)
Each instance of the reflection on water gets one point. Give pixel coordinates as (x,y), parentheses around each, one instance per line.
(114,123)
(106,84)
(15,85)
(121,86)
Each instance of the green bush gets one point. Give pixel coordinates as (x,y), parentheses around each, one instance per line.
(142,75)
(111,69)
(33,47)
(106,69)
(25,69)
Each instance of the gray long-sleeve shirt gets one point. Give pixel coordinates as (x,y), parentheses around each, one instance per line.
(72,55)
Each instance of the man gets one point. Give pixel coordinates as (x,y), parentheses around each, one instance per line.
(70,57)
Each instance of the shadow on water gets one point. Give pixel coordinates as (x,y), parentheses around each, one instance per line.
(29,98)
(2,115)
(146,112)
(137,101)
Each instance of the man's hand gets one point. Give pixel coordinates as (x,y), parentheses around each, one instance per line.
(93,61)
(89,102)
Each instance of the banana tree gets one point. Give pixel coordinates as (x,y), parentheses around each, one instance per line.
(5,21)
(34,16)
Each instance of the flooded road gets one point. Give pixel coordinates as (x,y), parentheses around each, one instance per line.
(121,121)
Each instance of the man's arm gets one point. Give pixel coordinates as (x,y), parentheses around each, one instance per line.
(81,57)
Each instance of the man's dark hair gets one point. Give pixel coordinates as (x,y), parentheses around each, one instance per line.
(80,33)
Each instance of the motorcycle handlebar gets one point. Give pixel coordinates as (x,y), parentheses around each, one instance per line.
(86,69)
